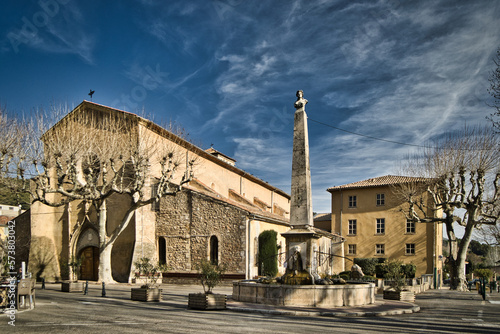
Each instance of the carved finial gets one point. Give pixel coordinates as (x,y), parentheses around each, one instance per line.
(301,102)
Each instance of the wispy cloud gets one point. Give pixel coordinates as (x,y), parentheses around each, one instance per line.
(54,29)
(404,72)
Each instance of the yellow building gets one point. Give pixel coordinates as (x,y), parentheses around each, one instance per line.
(368,214)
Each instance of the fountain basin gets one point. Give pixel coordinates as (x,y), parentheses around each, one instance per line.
(354,294)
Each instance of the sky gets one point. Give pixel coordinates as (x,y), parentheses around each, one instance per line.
(227,71)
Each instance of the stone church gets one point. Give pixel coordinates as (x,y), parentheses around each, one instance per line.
(218,215)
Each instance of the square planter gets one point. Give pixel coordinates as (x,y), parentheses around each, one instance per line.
(146,295)
(406,296)
(72,286)
(201,301)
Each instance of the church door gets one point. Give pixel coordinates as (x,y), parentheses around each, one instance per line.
(90,264)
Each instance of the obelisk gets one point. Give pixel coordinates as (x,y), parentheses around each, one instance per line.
(301,239)
(301,202)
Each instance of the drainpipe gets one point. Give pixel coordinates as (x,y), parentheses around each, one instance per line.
(340,232)
(434,264)
(341,209)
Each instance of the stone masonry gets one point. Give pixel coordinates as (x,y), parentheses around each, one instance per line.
(188,220)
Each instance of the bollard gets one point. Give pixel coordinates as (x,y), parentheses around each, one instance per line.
(86,291)
(483,289)
(103,289)
(43,283)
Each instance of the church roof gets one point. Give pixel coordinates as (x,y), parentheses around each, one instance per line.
(379,181)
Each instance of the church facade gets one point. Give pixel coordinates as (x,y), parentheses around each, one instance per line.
(218,215)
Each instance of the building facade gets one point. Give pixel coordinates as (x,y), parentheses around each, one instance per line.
(218,215)
(369,215)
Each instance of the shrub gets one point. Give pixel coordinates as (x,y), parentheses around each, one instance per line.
(346,275)
(367,265)
(380,270)
(409,270)
(210,274)
(394,272)
(483,273)
(149,271)
(75,265)
(268,253)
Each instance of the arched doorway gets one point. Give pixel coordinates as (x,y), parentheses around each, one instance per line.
(90,264)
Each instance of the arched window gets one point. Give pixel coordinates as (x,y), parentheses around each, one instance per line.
(214,250)
(162,250)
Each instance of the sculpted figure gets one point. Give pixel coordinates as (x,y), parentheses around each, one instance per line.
(301,102)
(295,263)
(356,272)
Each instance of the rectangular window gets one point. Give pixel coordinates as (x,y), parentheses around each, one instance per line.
(410,226)
(352,201)
(380,199)
(379,249)
(352,227)
(380,226)
(410,249)
(351,250)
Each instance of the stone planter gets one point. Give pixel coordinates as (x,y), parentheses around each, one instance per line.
(201,301)
(146,295)
(69,286)
(406,296)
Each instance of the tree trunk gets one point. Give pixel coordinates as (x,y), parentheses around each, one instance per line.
(458,255)
(105,274)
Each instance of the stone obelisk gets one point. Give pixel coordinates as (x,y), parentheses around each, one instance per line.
(301,239)
(301,214)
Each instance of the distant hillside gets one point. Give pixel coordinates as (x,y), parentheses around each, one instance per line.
(10,198)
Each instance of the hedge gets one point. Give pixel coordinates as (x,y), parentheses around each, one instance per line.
(367,265)
(268,253)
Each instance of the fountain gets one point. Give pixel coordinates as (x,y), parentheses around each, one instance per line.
(301,285)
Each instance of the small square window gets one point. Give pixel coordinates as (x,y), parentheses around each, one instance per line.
(351,250)
(410,249)
(352,227)
(379,249)
(410,226)
(380,226)
(352,201)
(380,199)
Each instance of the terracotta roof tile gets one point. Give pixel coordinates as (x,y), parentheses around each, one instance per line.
(379,181)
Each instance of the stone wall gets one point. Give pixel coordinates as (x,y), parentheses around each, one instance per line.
(189,219)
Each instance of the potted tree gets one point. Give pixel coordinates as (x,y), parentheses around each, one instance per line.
(394,272)
(150,273)
(72,285)
(210,276)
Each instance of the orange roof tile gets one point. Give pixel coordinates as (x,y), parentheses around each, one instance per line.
(379,181)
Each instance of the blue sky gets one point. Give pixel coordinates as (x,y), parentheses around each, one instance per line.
(228,70)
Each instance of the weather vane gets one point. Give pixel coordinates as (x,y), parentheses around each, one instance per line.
(91,93)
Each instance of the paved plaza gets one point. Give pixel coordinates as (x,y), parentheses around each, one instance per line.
(439,311)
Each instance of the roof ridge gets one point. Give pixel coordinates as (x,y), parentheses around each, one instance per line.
(379,181)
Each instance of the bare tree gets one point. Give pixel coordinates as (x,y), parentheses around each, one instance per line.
(463,176)
(494,91)
(90,155)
